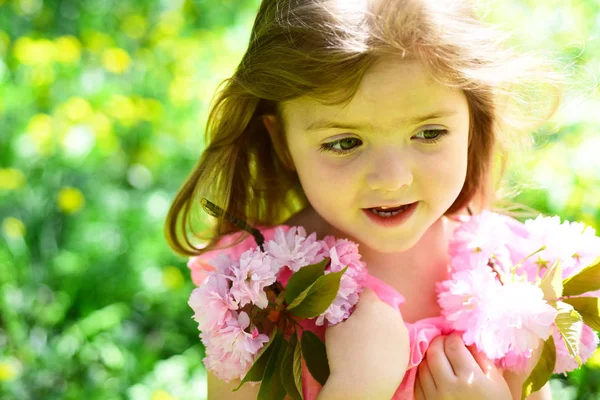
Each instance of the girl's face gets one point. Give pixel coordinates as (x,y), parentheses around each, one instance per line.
(402,139)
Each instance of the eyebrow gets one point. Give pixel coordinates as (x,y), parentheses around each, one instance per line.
(330,124)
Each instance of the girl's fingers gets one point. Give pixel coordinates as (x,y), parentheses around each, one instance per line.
(426,380)
(419,395)
(438,364)
(462,360)
(487,366)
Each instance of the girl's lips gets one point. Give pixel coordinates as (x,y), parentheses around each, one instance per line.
(394,220)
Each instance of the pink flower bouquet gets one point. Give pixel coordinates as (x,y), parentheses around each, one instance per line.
(515,286)
(248,308)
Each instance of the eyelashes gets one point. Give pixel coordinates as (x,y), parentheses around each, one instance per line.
(349,144)
(331,146)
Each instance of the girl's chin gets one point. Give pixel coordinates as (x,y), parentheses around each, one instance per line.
(387,246)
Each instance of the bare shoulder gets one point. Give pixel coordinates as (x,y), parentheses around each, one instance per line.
(220,390)
(310,220)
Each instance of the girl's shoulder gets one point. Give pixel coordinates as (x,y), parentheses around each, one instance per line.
(228,246)
(310,220)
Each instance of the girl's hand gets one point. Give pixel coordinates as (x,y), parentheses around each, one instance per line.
(368,352)
(451,371)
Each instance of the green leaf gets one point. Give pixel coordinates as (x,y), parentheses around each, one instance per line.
(256,371)
(303,278)
(589,308)
(317,297)
(551,283)
(291,368)
(569,324)
(298,366)
(271,387)
(585,281)
(542,371)
(315,356)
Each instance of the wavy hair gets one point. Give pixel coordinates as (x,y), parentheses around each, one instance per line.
(322,49)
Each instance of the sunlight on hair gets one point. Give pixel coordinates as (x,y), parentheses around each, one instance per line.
(347,10)
(350,17)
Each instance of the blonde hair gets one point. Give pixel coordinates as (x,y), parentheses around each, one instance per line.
(321,49)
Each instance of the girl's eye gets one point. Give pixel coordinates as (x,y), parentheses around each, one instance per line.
(432,135)
(341,146)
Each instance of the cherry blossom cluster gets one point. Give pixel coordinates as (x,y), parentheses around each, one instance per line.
(232,289)
(493,295)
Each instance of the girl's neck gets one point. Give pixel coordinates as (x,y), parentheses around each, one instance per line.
(426,262)
(418,267)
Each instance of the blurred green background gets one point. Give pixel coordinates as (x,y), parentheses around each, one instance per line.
(102,111)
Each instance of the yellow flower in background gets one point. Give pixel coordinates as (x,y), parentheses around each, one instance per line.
(116,60)
(148,155)
(11,179)
(123,109)
(101,126)
(97,41)
(34,52)
(42,75)
(4,41)
(161,394)
(8,371)
(40,130)
(40,125)
(182,90)
(68,50)
(134,26)
(149,109)
(70,200)
(13,227)
(77,108)
(172,277)
(169,25)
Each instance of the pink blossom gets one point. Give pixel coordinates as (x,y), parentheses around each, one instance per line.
(572,243)
(587,345)
(516,361)
(343,253)
(251,275)
(230,351)
(294,249)
(481,238)
(343,303)
(203,263)
(464,297)
(492,315)
(212,302)
(515,322)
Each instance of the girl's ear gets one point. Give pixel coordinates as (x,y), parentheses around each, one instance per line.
(278,139)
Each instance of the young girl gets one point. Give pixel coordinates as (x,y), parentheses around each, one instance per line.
(381,122)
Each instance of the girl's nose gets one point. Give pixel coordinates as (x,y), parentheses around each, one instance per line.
(389,171)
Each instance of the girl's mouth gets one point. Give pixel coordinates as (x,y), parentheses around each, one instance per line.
(392,216)
(388,211)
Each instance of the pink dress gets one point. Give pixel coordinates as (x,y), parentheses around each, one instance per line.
(421,332)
